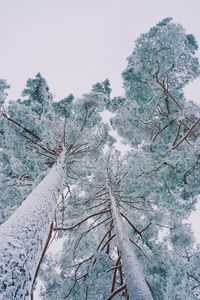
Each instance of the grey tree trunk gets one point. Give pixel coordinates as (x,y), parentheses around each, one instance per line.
(135,281)
(23,236)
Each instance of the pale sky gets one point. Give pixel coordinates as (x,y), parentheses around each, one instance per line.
(76,43)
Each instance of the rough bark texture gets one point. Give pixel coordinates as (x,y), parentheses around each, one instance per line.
(23,235)
(135,281)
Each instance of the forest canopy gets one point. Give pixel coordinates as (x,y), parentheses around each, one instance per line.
(122,218)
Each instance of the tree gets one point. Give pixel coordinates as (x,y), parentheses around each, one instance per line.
(22,236)
(39,142)
(25,165)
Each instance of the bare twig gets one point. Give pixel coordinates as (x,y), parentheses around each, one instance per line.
(117,291)
(82,221)
(107,233)
(21,126)
(43,253)
(187,134)
(115,273)
(163,129)
(108,241)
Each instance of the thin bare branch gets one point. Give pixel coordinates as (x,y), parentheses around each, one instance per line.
(95,206)
(131,224)
(43,253)
(163,129)
(107,233)
(177,134)
(81,222)
(108,241)
(146,228)
(115,273)
(187,134)
(133,242)
(21,126)
(93,227)
(166,90)
(117,291)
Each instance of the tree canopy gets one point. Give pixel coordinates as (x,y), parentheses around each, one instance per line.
(122,218)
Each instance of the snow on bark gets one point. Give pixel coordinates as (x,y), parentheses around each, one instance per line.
(23,236)
(135,281)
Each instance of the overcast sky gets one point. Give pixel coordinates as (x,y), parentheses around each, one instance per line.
(75,43)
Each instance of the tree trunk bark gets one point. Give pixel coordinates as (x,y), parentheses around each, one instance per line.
(23,235)
(134,277)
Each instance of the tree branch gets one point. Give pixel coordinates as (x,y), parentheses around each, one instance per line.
(187,134)
(21,126)
(87,218)
(117,291)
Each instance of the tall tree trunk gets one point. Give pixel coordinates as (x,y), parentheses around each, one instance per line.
(135,281)
(23,235)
